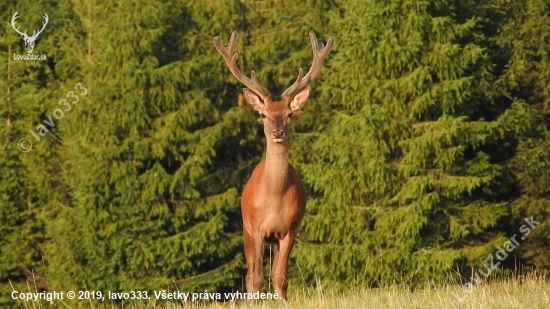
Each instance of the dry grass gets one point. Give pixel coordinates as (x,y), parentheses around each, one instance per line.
(530,292)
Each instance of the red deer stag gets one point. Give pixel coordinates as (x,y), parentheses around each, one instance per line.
(274,198)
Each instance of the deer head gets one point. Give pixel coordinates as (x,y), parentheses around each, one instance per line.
(29,40)
(276,114)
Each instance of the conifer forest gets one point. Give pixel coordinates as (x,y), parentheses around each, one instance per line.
(126,141)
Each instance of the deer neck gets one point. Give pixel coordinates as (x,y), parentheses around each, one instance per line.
(276,167)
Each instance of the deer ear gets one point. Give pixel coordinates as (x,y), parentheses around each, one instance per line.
(253,100)
(300,99)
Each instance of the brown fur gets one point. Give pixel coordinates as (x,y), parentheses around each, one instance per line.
(274,198)
(273,206)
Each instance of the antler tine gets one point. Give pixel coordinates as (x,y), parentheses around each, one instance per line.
(231,61)
(43,26)
(320,51)
(15,16)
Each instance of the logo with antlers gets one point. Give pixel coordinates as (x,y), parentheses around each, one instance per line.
(29,40)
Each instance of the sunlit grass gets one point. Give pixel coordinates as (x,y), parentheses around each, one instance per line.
(526,292)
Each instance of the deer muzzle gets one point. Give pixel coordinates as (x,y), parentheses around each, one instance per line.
(278,136)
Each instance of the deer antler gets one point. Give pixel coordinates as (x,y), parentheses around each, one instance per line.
(34,34)
(43,26)
(231,60)
(17,29)
(319,53)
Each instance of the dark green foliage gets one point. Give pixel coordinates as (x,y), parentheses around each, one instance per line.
(424,144)
(25,181)
(525,78)
(403,165)
(147,134)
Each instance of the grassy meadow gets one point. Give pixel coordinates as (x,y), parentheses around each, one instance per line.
(519,292)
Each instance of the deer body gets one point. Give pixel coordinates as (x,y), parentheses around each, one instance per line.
(274,199)
(276,206)
(273,203)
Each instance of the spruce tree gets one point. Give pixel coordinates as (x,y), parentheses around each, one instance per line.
(144,209)
(395,162)
(524,36)
(28,177)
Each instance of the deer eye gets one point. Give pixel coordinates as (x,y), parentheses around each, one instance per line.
(262,114)
(289,114)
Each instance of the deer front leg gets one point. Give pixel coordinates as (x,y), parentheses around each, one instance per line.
(278,272)
(253,251)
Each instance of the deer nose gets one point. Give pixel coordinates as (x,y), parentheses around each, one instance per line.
(278,133)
